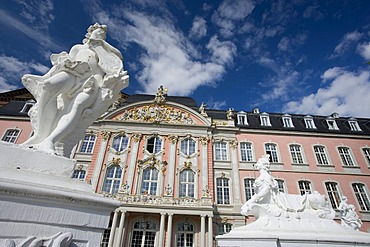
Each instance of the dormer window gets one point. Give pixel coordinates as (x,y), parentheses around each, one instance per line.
(287,121)
(27,107)
(353,124)
(310,124)
(242,118)
(332,124)
(265,119)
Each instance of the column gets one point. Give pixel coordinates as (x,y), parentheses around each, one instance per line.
(100,159)
(121,229)
(203,141)
(113,229)
(161,229)
(171,161)
(234,164)
(169,230)
(202,230)
(134,150)
(210,232)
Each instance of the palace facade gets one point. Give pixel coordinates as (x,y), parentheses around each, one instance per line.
(182,172)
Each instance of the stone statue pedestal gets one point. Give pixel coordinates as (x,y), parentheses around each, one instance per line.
(38,200)
(293,230)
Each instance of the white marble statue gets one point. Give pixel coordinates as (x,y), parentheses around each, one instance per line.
(79,88)
(268,201)
(349,217)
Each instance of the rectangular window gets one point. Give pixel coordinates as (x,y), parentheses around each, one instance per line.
(224,228)
(246,151)
(249,189)
(346,157)
(310,124)
(366,152)
(321,156)
(11,135)
(87,144)
(79,174)
(220,151)
(354,126)
(296,153)
(287,122)
(271,149)
(333,194)
(265,121)
(362,197)
(281,185)
(242,120)
(223,193)
(332,125)
(304,187)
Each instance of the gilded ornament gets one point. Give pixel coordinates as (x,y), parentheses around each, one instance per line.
(136,136)
(105,134)
(173,138)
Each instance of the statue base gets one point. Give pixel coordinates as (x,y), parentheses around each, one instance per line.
(40,203)
(290,231)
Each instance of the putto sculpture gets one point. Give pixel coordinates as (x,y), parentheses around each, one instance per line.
(349,217)
(79,88)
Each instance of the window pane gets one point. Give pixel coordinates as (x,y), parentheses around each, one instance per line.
(271,149)
(249,189)
(150,181)
(188,146)
(296,153)
(246,151)
(362,197)
(321,156)
(366,152)
(120,143)
(87,144)
(112,179)
(304,187)
(11,135)
(223,196)
(333,193)
(220,151)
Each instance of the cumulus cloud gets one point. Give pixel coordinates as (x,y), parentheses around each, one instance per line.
(364,50)
(214,104)
(168,58)
(11,68)
(199,28)
(347,93)
(348,41)
(230,13)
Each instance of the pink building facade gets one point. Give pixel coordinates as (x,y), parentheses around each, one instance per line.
(182,172)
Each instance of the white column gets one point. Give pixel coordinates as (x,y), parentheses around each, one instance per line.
(113,229)
(100,159)
(161,230)
(169,231)
(171,161)
(204,153)
(202,230)
(121,229)
(134,150)
(234,162)
(210,232)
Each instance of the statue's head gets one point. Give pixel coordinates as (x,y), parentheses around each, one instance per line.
(263,162)
(96,31)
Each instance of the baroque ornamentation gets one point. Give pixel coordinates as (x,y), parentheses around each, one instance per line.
(116,161)
(136,136)
(156,114)
(160,98)
(233,144)
(173,138)
(203,140)
(105,134)
(153,163)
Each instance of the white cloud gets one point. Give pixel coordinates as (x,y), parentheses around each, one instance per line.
(229,13)
(212,104)
(348,40)
(347,94)
(222,52)
(12,68)
(364,50)
(199,28)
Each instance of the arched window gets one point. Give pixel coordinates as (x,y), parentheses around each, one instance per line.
(87,144)
(361,196)
(185,235)
(333,193)
(321,156)
(223,191)
(154,145)
(150,181)
(304,187)
(143,234)
(186,183)
(11,135)
(249,189)
(120,143)
(188,146)
(112,179)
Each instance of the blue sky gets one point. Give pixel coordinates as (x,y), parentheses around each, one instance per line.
(306,57)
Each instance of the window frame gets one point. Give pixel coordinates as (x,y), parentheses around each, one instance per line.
(281,185)
(223,198)
(246,155)
(122,145)
(87,149)
(78,172)
(274,154)
(294,154)
(304,188)
(14,138)
(366,154)
(113,189)
(190,149)
(287,121)
(27,107)
(152,230)
(248,188)
(309,122)
(185,234)
(224,228)
(332,126)
(242,118)
(189,185)
(353,125)
(362,197)
(265,119)
(346,156)
(221,151)
(321,153)
(333,195)
(151,181)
